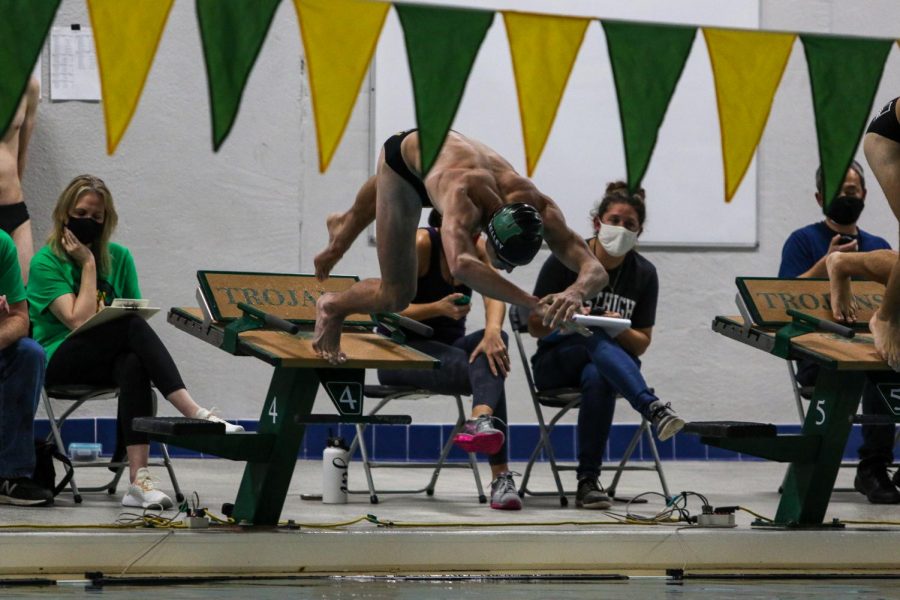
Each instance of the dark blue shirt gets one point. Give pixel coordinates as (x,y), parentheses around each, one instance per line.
(807,245)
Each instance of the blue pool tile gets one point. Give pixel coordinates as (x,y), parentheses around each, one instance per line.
(390,442)
(688,447)
(619,438)
(522,440)
(714,453)
(424,442)
(563,439)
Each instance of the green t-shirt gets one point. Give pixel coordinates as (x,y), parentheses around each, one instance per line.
(51,277)
(10,275)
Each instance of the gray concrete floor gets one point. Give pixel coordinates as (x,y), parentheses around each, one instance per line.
(749,484)
(447,532)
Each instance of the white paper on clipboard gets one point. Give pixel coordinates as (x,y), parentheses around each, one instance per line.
(120,307)
(611,326)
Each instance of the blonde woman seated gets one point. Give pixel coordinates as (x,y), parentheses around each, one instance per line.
(72,277)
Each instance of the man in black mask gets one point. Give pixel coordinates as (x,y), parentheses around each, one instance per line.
(805,250)
(804,255)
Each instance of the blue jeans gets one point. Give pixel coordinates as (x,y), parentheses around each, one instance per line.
(457,376)
(602,368)
(21,378)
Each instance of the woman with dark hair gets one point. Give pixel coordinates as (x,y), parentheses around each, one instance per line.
(77,273)
(601,365)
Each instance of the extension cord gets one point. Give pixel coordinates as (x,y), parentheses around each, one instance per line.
(713,520)
(196,522)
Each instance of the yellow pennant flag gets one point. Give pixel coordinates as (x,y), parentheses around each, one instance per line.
(126,36)
(339,38)
(543,49)
(747,67)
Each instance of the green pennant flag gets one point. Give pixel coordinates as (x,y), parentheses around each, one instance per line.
(23,28)
(844,73)
(441,45)
(647,61)
(232,33)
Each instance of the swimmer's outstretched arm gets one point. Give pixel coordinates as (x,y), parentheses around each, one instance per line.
(571,250)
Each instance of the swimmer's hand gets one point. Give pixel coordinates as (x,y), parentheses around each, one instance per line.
(570,327)
(560,307)
(573,327)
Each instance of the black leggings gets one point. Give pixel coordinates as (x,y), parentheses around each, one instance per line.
(125,353)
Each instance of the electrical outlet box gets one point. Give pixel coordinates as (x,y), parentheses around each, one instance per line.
(714,520)
(196,522)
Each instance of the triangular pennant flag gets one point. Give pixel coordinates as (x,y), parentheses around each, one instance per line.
(126,35)
(647,61)
(844,73)
(543,49)
(441,46)
(232,33)
(23,28)
(339,38)
(747,67)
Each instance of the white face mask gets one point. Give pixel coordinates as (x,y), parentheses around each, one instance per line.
(617,241)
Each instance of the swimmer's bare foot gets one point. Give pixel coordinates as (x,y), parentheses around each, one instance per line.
(327,333)
(843,303)
(887,340)
(327,258)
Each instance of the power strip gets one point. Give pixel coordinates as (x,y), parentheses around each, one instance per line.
(196,522)
(713,520)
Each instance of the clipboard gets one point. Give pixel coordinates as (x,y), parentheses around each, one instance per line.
(611,326)
(119,308)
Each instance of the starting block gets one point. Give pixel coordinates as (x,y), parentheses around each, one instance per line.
(270,316)
(792,319)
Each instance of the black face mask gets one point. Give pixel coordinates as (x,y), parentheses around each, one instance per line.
(845,210)
(86,230)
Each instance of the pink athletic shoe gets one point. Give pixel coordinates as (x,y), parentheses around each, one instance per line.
(479,435)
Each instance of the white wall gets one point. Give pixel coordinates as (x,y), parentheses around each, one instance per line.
(261,204)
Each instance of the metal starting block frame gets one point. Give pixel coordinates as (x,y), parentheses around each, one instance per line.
(270,316)
(791,319)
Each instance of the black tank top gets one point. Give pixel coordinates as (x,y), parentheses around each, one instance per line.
(432,287)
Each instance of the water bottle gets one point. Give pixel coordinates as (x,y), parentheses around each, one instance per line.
(335,460)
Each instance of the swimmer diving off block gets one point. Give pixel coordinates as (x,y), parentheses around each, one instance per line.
(476,190)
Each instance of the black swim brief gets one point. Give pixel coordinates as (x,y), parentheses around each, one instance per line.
(394,159)
(885,123)
(12,215)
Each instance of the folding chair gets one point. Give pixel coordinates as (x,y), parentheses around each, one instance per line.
(79,394)
(386,393)
(564,400)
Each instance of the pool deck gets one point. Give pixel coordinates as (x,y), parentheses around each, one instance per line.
(451,533)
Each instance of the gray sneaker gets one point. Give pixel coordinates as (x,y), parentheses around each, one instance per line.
(589,495)
(665,420)
(504,495)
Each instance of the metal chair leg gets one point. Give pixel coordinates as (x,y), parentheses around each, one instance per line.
(645,426)
(635,439)
(57,439)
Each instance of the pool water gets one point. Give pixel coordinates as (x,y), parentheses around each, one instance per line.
(472,588)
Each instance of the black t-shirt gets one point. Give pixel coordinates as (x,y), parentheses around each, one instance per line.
(632,291)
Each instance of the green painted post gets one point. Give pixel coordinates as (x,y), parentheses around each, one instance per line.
(265,483)
(807,487)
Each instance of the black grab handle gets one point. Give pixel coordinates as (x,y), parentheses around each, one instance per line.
(823,324)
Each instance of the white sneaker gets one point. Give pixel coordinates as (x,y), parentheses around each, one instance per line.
(207,415)
(143,494)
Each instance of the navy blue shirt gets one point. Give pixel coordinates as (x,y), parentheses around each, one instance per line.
(807,245)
